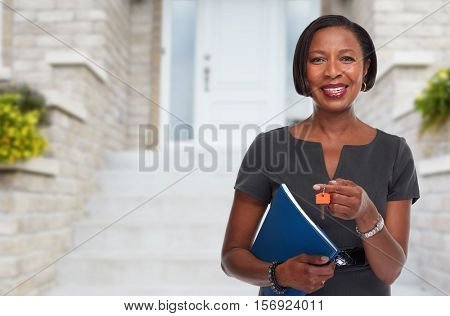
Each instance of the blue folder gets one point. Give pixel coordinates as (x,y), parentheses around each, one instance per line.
(287,232)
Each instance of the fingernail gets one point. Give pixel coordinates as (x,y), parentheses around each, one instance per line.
(316,187)
(333,181)
(323,258)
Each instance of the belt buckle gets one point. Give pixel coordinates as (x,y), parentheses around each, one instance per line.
(344,259)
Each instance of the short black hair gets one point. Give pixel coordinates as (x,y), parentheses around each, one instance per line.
(304,42)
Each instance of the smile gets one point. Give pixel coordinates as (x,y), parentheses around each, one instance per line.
(335,92)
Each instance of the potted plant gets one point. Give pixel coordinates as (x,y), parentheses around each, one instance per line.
(434,102)
(21,115)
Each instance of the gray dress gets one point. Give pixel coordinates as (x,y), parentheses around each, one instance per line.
(384,168)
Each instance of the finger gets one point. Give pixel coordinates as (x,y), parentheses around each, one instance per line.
(330,276)
(341,189)
(349,182)
(337,198)
(319,186)
(305,258)
(344,182)
(340,181)
(319,283)
(327,187)
(321,272)
(340,211)
(339,208)
(319,280)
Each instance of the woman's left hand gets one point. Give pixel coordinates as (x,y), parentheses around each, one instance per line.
(347,199)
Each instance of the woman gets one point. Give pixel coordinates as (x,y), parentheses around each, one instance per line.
(369,174)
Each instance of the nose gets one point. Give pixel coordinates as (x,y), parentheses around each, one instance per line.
(332,69)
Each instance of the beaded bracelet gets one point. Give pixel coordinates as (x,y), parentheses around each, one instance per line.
(278,289)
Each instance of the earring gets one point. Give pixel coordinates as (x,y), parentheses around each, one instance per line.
(364,86)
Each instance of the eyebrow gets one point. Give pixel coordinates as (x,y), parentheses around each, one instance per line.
(340,51)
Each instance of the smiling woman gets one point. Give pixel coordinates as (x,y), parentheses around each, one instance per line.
(368,173)
(347,50)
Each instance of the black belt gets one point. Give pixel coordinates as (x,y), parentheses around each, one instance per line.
(351,257)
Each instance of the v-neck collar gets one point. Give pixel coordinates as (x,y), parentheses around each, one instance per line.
(322,154)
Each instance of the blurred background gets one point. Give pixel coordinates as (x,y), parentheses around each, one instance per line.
(102,187)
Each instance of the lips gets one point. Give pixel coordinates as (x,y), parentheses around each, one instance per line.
(334,90)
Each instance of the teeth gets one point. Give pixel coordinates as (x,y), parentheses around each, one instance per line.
(334,90)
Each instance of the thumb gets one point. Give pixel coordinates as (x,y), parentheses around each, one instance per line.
(305,258)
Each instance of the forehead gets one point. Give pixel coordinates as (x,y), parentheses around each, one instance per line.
(335,39)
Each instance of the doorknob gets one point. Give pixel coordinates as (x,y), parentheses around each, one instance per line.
(206,72)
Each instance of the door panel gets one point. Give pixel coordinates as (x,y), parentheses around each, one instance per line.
(241,75)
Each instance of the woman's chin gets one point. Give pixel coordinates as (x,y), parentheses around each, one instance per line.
(334,103)
(341,104)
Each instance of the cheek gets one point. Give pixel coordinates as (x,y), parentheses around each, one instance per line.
(313,75)
(355,74)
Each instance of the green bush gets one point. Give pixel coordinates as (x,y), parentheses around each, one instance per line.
(29,99)
(434,101)
(19,135)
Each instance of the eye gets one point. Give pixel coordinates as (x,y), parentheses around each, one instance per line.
(348,59)
(316,59)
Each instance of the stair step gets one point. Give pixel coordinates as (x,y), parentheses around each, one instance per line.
(194,184)
(140,269)
(408,290)
(228,289)
(231,287)
(153,236)
(152,233)
(187,208)
(174,160)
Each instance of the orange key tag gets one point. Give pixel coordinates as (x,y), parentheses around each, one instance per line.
(323,199)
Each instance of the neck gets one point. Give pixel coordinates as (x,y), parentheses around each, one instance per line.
(332,124)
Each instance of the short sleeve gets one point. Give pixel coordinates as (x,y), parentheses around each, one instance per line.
(403,184)
(251,178)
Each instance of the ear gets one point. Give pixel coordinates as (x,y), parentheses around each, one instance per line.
(366,67)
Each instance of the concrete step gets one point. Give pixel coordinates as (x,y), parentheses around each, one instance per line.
(163,208)
(141,269)
(176,159)
(231,287)
(416,290)
(234,288)
(165,243)
(410,282)
(174,184)
(150,235)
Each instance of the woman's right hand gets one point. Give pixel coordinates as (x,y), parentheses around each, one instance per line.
(303,273)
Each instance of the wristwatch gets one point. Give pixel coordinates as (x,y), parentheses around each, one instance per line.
(379,226)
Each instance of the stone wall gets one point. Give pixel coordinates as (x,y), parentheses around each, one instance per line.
(143,70)
(78,54)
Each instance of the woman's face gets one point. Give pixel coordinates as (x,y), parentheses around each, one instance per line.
(335,68)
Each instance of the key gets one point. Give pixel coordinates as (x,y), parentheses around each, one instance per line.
(322,199)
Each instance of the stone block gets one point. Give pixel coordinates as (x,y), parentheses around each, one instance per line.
(9,267)
(38,5)
(35,261)
(92,15)
(14,245)
(55,16)
(9,225)
(386,5)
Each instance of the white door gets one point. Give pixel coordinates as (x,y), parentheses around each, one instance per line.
(227,62)
(238,51)
(239,79)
